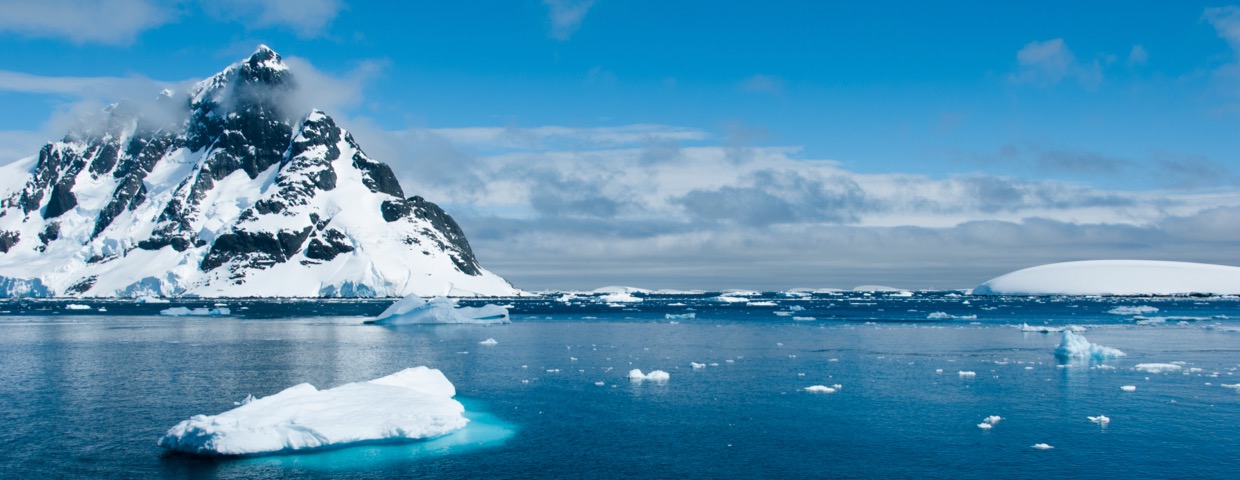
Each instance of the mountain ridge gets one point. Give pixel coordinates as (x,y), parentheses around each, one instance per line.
(224,190)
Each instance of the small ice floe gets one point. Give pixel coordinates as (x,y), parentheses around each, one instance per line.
(1157,367)
(781,313)
(1025,327)
(1042,446)
(697,366)
(599,384)
(1076,346)
(657,376)
(197,312)
(1233,386)
(819,389)
(1101,420)
(1133,310)
(763,304)
(1128,388)
(966,374)
(412,404)
(489,342)
(938,370)
(77,306)
(680,316)
(804,319)
(413,310)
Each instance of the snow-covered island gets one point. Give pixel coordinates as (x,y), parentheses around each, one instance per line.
(1117,277)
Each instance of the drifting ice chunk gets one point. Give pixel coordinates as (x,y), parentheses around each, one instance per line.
(412,404)
(697,366)
(680,316)
(1128,388)
(197,312)
(966,374)
(1137,310)
(1076,346)
(1042,446)
(1101,420)
(1157,367)
(985,426)
(658,376)
(1025,327)
(489,342)
(819,389)
(77,306)
(991,420)
(439,310)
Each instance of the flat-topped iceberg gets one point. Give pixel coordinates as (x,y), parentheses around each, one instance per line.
(413,310)
(196,312)
(1116,277)
(412,404)
(1076,346)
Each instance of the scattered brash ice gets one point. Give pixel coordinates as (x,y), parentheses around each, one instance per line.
(412,404)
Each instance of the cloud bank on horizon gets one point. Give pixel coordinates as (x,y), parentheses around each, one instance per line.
(693,157)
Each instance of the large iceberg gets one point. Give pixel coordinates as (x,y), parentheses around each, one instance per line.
(1076,346)
(412,404)
(413,310)
(1116,277)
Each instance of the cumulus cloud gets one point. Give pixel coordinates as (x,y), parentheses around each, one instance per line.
(84,21)
(1050,62)
(306,18)
(566,16)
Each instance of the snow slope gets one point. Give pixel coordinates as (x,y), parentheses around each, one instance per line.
(239,195)
(1116,277)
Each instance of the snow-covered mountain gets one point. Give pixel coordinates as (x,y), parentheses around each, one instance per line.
(224,191)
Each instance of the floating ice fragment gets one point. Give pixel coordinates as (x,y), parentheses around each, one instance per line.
(966,374)
(599,384)
(1235,386)
(938,370)
(1133,310)
(415,403)
(696,365)
(489,342)
(819,389)
(1042,446)
(657,376)
(438,310)
(1025,327)
(77,306)
(1157,367)
(985,426)
(804,319)
(993,419)
(1076,346)
(1128,388)
(197,312)
(1101,420)
(680,316)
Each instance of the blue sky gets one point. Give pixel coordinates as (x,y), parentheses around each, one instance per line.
(725,144)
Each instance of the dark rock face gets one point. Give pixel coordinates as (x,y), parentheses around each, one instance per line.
(417,208)
(328,245)
(8,240)
(254,249)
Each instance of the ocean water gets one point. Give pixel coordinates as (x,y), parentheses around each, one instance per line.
(85,393)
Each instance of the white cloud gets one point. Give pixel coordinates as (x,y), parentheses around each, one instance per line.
(84,21)
(1226,20)
(762,84)
(1051,62)
(306,18)
(566,16)
(1138,56)
(105,87)
(331,93)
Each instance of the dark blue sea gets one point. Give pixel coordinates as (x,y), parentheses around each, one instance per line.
(86,393)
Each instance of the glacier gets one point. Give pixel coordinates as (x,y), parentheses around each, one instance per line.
(412,404)
(1116,277)
(414,310)
(226,189)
